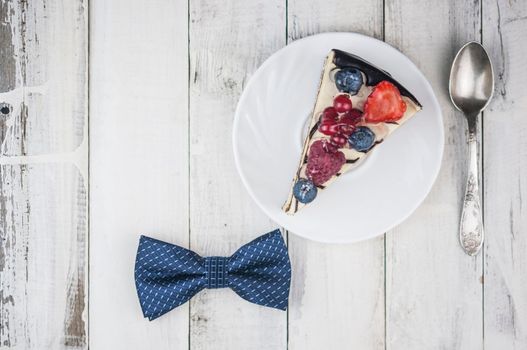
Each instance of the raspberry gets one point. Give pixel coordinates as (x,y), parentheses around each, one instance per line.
(323,161)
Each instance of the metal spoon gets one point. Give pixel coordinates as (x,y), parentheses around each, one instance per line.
(471,86)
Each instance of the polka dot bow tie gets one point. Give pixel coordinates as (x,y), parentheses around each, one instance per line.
(167,275)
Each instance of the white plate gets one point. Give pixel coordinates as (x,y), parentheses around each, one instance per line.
(268,134)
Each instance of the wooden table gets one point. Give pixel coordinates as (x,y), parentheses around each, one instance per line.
(116,120)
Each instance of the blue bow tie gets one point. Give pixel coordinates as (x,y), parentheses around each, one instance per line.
(167,275)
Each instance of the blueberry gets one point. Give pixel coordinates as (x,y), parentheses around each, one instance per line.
(362,139)
(304,191)
(348,80)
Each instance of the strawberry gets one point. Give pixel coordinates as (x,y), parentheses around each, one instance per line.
(324,160)
(384,104)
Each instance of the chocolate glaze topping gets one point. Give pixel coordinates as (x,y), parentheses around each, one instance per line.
(373,74)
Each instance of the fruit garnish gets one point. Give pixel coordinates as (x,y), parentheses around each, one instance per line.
(340,127)
(329,129)
(348,80)
(342,103)
(362,139)
(305,191)
(337,129)
(329,114)
(338,140)
(329,147)
(324,160)
(345,129)
(384,104)
(352,117)
(328,121)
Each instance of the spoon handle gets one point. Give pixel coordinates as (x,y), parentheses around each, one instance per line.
(471,226)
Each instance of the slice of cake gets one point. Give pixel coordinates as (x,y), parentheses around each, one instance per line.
(357,107)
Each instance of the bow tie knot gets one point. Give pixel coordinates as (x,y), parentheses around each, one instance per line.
(167,275)
(216,272)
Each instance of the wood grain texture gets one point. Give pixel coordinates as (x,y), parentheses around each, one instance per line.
(505,166)
(433,289)
(335,302)
(165,80)
(43,279)
(138,162)
(44,68)
(43,174)
(13,260)
(228,41)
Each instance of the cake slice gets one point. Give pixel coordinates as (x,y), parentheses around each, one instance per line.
(357,107)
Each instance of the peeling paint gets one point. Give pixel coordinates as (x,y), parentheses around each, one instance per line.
(75,331)
(5,252)
(502,77)
(7,50)
(23,128)
(74,324)
(43,120)
(14,131)
(6,299)
(13,242)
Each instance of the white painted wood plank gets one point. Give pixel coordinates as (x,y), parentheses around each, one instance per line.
(43,279)
(43,174)
(505,164)
(337,299)
(138,162)
(228,41)
(43,58)
(433,289)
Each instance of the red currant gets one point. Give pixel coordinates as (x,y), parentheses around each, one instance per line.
(328,128)
(339,140)
(350,118)
(342,103)
(325,128)
(329,114)
(346,129)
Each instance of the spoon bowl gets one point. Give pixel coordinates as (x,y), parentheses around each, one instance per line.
(471,79)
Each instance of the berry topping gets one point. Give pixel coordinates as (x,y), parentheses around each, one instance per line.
(329,114)
(342,103)
(384,104)
(304,191)
(348,80)
(345,129)
(328,121)
(362,139)
(339,128)
(352,117)
(329,147)
(338,140)
(324,160)
(327,129)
